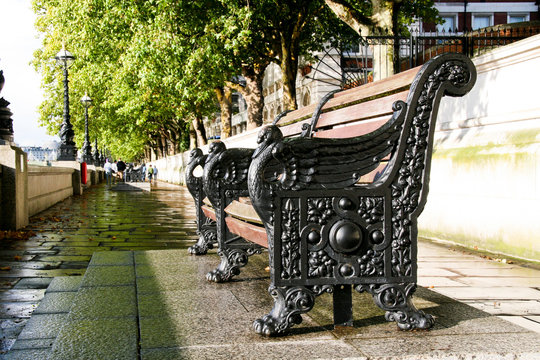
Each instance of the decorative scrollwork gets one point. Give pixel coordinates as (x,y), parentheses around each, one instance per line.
(289,304)
(372,263)
(371,209)
(320,264)
(290,241)
(231,262)
(235,194)
(407,187)
(319,210)
(396,299)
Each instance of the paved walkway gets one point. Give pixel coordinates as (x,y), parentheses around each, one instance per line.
(134,302)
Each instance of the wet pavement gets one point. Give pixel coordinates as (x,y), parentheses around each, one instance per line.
(61,240)
(165,309)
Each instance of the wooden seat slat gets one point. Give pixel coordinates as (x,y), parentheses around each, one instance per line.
(243,211)
(209,212)
(397,83)
(363,111)
(255,233)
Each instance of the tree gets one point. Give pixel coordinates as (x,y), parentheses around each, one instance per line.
(383,16)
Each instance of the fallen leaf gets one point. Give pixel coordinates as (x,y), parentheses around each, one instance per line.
(114,237)
(5,268)
(17,258)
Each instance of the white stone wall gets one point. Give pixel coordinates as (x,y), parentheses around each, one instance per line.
(47,186)
(485,175)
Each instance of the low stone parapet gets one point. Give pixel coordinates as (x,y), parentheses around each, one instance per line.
(48,185)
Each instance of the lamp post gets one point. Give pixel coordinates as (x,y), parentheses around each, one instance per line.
(67,151)
(96,153)
(87,148)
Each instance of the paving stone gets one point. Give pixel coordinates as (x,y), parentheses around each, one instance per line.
(502,292)
(33,283)
(112,258)
(17,309)
(97,339)
(56,302)
(470,346)
(27,354)
(294,350)
(41,326)
(31,295)
(109,275)
(42,273)
(104,302)
(33,344)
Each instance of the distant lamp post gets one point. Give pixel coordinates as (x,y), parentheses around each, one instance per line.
(96,153)
(87,148)
(67,151)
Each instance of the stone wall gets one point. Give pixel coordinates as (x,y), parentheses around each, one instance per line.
(47,186)
(485,175)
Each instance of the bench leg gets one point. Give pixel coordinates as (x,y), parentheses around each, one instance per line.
(343,315)
(231,262)
(207,239)
(289,303)
(396,299)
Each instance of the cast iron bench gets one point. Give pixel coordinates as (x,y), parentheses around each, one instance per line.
(206,226)
(339,203)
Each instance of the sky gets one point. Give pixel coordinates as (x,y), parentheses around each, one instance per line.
(18,41)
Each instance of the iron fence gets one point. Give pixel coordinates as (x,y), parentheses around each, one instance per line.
(375,56)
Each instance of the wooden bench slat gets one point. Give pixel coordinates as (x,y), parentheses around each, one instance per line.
(251,232)
(352,130)
(244,211)
(209,212)
(377,108)
(396,83)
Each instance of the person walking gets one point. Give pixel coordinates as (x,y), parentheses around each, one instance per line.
(108,172)
(143,172)
(150,173)
(114,171)
(155,174)
(121,168)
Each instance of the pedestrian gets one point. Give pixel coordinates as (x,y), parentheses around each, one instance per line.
(114,171)
(150,173)
(108,172)
(121,168)
(155,174)
(143,172)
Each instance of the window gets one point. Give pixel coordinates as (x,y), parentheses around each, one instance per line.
(481,21)
(516,18)
(450,23)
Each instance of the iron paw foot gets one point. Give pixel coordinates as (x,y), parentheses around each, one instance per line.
(219,276)
(199,249)
(270,326)
(411,320)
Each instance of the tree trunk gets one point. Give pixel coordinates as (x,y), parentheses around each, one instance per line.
(192,136)
(253,94)
(224,96)
(200,132)
(289,69)
(381,19)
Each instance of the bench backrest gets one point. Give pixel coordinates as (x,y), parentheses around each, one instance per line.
(352,112)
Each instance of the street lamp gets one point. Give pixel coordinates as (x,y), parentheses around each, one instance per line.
(87,148)
(96,153)
(68,151)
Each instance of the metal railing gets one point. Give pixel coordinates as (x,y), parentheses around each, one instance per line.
(376,56)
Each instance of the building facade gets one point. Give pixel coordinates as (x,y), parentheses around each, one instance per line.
(460,16)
